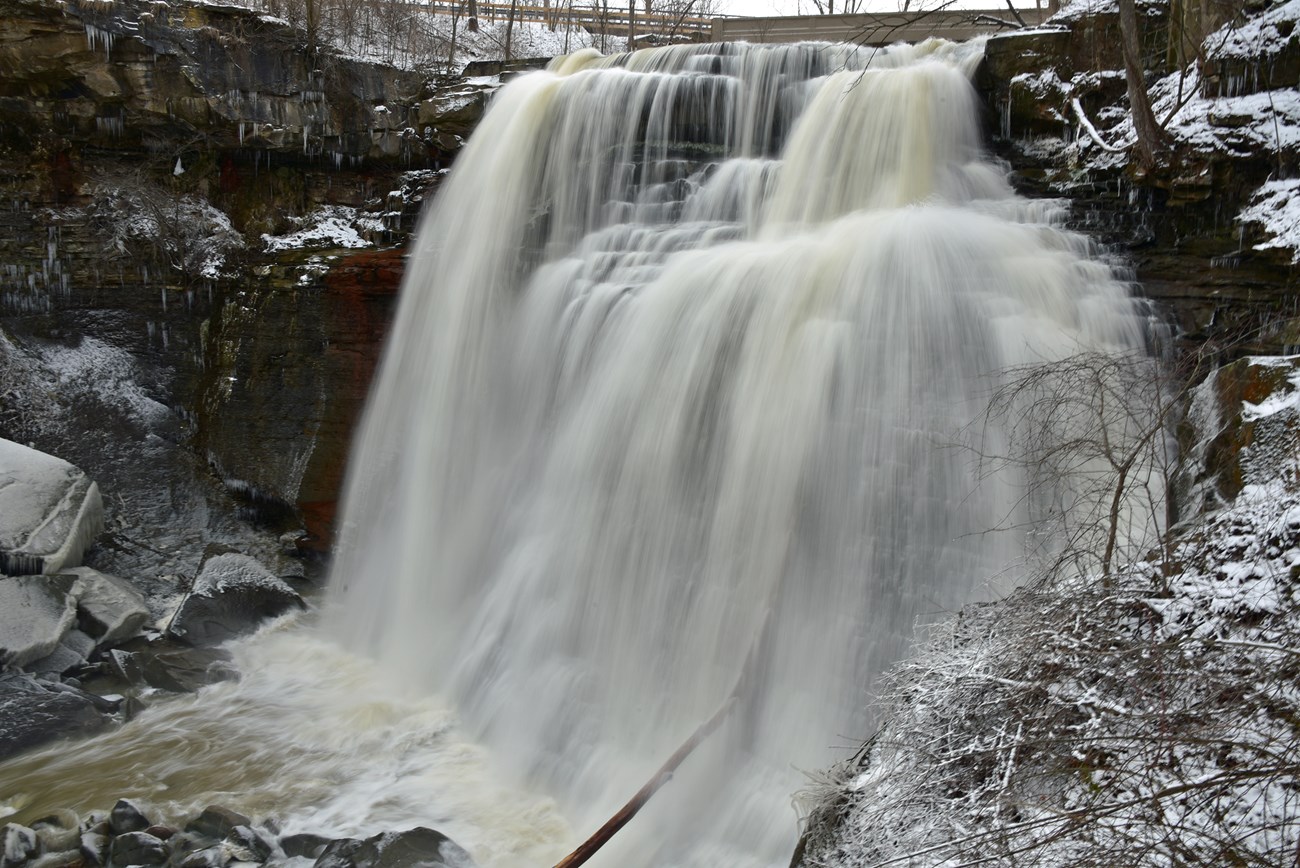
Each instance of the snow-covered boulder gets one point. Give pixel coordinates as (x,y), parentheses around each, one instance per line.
(36,612)
(232,594)
(110,608)
(50,512)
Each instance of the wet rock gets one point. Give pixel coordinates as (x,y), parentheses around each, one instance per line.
(36,612)
(136,848)
(232,594)
(127,817)
(109,608)
(338,854)
(253,840)
(94,847)
(19,845)
(208,857)
(304,845)
(50,511)
(174,668)
(216,822)
(33,712)
(415,848)
(163,833)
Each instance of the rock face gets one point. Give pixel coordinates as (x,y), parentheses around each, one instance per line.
(1177,224)
(50,511)
(149,152)
(1243,423)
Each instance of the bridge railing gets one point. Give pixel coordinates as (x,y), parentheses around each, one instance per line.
(872,28)
(595,17)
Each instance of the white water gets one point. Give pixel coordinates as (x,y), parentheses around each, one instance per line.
(681,352)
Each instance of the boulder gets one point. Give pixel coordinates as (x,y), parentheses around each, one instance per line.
(58,832)
(110,609)
(71,652)
(50,512)
(18,844)
(304,845)
(415,848)
(216,822)
(33,712)
(232,594)
(136,848)
(126,817)
(176,669)
(36,613)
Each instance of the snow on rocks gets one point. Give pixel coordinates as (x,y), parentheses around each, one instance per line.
(331,226)
(36,612)
(1275,208)
(1266,34)
(110,608)
(232,594)
(50,511)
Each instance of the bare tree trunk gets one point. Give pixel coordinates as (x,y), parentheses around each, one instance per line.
(451,50)
(1149,136)
(546,15)
(472,23)
(631,23)
(510,27)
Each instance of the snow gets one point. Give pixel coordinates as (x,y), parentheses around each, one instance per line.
(234,571)
(50,512)
(1266,34)
(1276,208)
(1143,720)
(331,226)
(110,373)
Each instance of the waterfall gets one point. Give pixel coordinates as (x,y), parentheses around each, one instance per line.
(667,414)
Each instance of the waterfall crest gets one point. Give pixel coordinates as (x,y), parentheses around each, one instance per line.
(680,352)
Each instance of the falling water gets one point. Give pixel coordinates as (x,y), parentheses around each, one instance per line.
(665,421)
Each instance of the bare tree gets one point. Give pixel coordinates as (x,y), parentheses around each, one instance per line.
(1150,136)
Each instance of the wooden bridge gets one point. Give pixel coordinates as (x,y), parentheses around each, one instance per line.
(873,28)
(868,28)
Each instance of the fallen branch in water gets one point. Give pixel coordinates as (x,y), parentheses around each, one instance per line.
(601,836)
(588,848)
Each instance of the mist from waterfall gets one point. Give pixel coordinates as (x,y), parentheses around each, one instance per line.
(669,406)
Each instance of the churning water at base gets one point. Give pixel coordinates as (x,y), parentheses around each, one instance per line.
(666,419)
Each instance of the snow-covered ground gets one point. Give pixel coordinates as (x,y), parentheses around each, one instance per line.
(1149,718)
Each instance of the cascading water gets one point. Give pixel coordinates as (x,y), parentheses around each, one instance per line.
(666,418)
(666,408)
